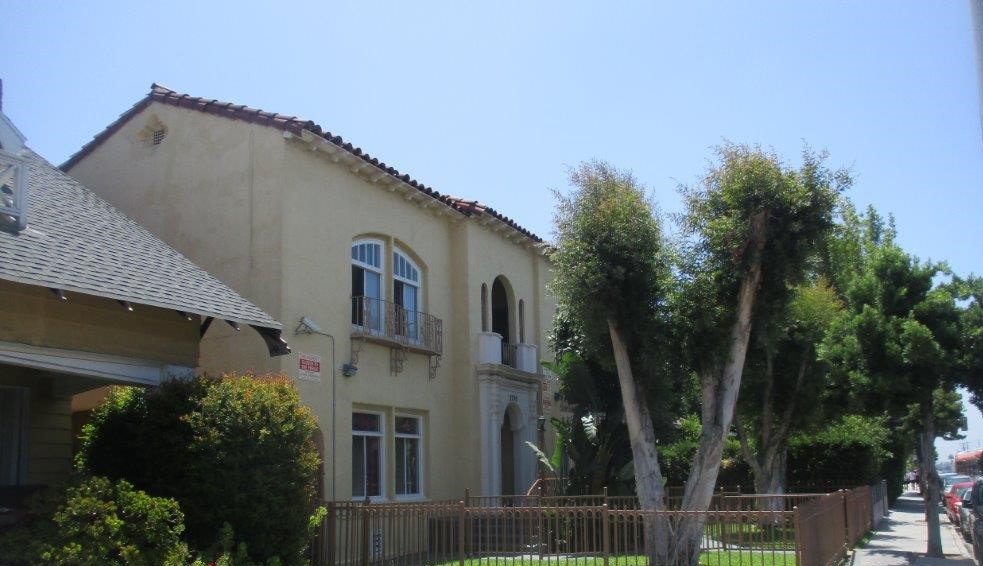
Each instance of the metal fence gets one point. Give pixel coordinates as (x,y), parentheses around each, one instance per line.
(779,530)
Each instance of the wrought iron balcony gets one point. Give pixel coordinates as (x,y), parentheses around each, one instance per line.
(510,355)
(388,323)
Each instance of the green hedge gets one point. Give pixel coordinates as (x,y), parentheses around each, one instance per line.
(851,451)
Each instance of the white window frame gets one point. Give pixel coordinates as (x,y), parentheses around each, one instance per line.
(417,284)
(381,435)
(380,270)
(18,210)
(420,466)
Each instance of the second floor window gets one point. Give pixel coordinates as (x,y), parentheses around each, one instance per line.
(367,284)
(406,294)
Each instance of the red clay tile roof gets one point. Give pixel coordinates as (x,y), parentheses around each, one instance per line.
(290,124)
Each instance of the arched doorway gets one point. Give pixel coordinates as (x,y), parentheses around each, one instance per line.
(511,440)
(500,310)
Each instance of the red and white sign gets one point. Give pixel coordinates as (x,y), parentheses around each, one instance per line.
(309,367)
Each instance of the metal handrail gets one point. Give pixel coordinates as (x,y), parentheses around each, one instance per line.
(510,355)
(391,322)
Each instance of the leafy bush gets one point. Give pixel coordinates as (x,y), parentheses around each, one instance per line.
(143,436)
(237,450)
(98,522)
(254,466)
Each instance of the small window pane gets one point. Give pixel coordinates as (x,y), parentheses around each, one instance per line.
(358,466)
(412,465)
(407,466)
(366,422)
(400,466)
(373,466)
(407,425)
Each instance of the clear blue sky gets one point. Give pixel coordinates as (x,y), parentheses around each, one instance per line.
(495,102)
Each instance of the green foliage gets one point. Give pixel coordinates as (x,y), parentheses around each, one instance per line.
(255,465)
(237,450)
(794,210)
(611,262)
(850,451)
(677,456)
(98,522)
(781,367)
(142,436)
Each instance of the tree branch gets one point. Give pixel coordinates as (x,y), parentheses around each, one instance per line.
(749,456)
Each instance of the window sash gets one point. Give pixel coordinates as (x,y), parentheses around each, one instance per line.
(13,434)
(368,454)
(409,465)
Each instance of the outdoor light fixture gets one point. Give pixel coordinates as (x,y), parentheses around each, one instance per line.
(307,326)
(126,305)
(349,370)
(541,423)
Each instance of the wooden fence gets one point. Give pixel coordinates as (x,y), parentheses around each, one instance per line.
(779,530)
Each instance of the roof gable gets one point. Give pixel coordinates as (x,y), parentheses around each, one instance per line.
(302,129)
(78,242)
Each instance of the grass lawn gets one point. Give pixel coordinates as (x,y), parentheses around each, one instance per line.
(755,536)
(708,558)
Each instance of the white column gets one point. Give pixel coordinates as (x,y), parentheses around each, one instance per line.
(489,348)
(526,358)
(491,432)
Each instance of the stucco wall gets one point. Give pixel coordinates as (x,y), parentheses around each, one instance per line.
(275,221)
(210,190)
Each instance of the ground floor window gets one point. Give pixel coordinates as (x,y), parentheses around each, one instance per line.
(408,436)
(13,432)
(367,454)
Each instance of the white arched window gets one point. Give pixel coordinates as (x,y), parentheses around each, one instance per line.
(406,294)
(367,284)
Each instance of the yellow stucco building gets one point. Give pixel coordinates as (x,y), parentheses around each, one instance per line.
(420,318)
(88,299)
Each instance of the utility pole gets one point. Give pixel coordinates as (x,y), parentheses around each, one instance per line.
(976,12)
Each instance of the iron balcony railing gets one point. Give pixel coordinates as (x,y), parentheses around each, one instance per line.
(388,322)
(510,355)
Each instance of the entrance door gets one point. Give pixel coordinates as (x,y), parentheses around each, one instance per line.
(508,456)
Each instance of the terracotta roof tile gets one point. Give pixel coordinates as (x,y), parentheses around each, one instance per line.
(286,123)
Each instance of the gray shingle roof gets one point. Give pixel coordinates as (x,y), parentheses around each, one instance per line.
(75,241)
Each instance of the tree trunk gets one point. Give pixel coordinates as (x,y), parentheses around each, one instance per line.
(930,492)
(719,401)
(641,435)
(772,482)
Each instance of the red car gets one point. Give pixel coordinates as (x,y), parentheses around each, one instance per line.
(954,499)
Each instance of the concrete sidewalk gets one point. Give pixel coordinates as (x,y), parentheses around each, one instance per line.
(901,538)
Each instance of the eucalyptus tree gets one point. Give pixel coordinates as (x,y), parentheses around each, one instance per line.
(751,224)
(652,314)
(613,281)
